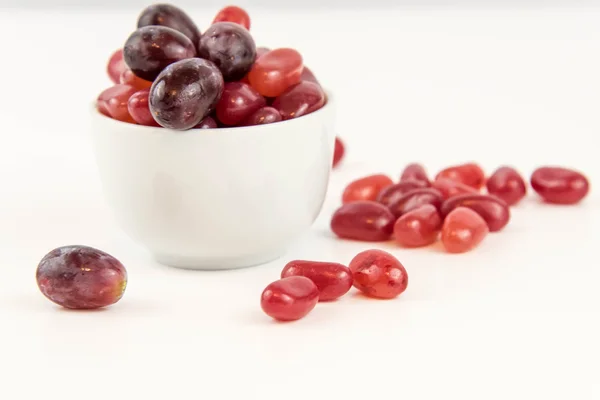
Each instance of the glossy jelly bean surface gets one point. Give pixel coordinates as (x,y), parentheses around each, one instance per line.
(378,274)
(463,230)
(419,227)
(207,123)
(290,298)
(449,188)
(238,102)
(231,47)
(261,51)
(507,184)
(301,99)
(333,279)
(560,185)
(151,48)
(470,174)
(233,14)
(393,193)
(338,152)
(366,221)
(366,188)
(81,277)
(139,109)
(415,199)
(274,72)
(113,102)
(415,171)
(185,93)
(264,115)
(116,66)
(172,17)
(493,210)
(131,79)
(307,75)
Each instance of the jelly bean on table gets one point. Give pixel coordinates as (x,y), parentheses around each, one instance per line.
(415,172)
(507,184)
(339,151)
(463,230)
(419,227)
(367,221)
(559,185)
(333,279)
(367,188)
(290,298)
(493,210)
(470,174)
(392,193)
(415,199)
(378,274)
(450,188)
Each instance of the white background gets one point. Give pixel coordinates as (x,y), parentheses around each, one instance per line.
(517,318)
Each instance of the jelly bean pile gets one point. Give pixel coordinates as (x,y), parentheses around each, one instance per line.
(169,74)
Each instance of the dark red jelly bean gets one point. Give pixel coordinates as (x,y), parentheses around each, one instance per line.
(274,72)
(290,298)
(301,99)
(172,17)
(367,221)
(264,115)
(152,48)
(238,101)
(507,184)
(131,79)
(378,274)
(233,14)
(81,277)
(415,172)
(449,188)
(463,230)
(338,152)
(493,210)
(415,199)
(113,102)
(307,75)
(207,123)
(139,109)
(419,227)
(333,279)
(231,47)
(470,174)
(560,185)
(116,66)
(366,188)
(393,193)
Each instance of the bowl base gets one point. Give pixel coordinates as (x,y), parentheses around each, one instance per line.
(216,264)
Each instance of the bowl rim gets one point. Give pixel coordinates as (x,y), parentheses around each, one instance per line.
(153,130)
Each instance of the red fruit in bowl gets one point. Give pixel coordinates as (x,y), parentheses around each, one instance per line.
(238,102)
(116,66)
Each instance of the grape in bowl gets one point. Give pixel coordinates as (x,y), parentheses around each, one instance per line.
(216,198)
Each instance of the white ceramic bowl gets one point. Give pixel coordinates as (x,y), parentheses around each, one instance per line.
(220,198)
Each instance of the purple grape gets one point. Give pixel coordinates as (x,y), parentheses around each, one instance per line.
(231,47)
(172,17)
(151,48)
(185,92)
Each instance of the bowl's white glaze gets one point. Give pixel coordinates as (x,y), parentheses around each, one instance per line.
(220,198)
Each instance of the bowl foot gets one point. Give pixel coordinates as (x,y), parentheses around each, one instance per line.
(216,263)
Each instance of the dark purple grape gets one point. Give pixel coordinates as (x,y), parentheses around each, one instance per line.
(151,48)
(265,115)
(185,92)
(81,277)
(231,47)
(170,16)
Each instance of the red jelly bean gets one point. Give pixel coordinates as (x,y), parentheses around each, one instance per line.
(419,227)
(393,193)
(276,71)
(207,123)
(116,66)
(301,99)
(367,221)
(378,274)
(113,102)
(449,188)
(238,101)
(233,14)
(493,210)
(307,75)
(129,78)
(290,298)
(81,277)
(264,115)
(463,230)
(261,51)
(366,188)
(333,279)
(415,199)
(338,152)
(139,110)
(415,172)
(507,184)
(560,185)
(470,174)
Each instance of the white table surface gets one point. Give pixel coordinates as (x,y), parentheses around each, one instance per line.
(518,318)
